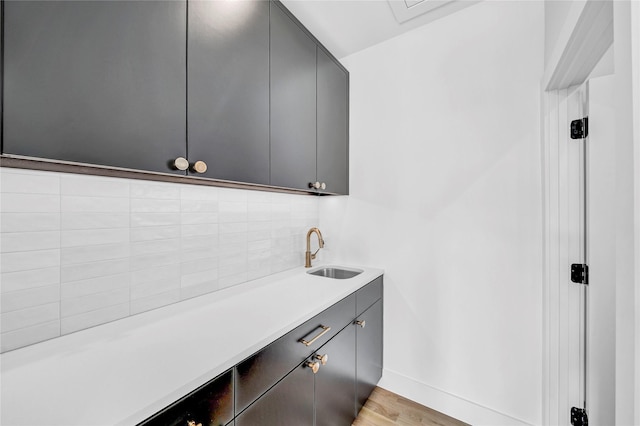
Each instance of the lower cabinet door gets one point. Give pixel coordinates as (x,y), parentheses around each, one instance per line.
(289,402)
(335,382)
(368,352)
(210,405)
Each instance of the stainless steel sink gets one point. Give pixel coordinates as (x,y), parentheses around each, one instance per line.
(336,273)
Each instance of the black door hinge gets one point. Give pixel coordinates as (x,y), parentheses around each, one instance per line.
(579,273)
(579,417)
(580,128)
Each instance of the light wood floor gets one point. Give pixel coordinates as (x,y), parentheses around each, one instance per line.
(384,408)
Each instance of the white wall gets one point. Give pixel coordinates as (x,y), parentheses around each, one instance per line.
(446,197)
(78,251)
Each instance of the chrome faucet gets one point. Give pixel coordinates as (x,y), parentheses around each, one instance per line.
(308,257)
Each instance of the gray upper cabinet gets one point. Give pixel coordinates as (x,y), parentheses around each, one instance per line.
(228,87)
(100,82)
(332,125)
(293,103)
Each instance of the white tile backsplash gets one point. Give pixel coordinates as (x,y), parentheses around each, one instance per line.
(78,251)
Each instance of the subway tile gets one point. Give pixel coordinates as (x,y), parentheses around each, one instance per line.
(155,246)
(73,204)
(94,253)
(198,289)
(29,184)
(30,316)
(170,272)
(155,205)
(29,222)
(29,335)
(199,206)
(209,255)
(259,197)
(141,219)
(148,233)
(151,288)
(22,299)
(22,261)
(91,302)
(201,277)
(29,241)
(93,318)
(194,192)
(198,217)
(235,195)
(155,301)
(199,229)
(192,266)
(94,285)
(30,203)
(232,238)
(87,220)
(152,260)
(83,271)
(87,237)
(232,212)
(92,185)
(199,242)
(233,227)
(232,280)
(259,245)
(165,191)
(31,278)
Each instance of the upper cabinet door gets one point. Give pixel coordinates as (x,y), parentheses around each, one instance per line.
(333,127)
(293,103)
(228,102)
(101,82)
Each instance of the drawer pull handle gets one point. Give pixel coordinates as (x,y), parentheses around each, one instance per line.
(361,323)
(324,331)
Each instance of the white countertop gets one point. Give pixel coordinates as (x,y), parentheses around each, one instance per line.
(127,370)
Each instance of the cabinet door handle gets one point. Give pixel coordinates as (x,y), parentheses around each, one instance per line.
(323,358)
(324,331)
(361,323)
(315,185)
(313,365)
(323,185)
(199,167)
(181,163)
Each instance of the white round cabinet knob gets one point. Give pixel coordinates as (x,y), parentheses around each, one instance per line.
(181,163)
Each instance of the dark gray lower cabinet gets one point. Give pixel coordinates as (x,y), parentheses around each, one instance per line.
(276,386)
(211,405)
(335,382)
(99,82)
(368,352)
(289,402)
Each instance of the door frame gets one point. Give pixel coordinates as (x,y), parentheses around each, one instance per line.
(586,35)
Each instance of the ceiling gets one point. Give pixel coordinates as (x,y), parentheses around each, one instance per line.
(348,26)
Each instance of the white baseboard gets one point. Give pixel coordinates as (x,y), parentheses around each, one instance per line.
(449,404)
